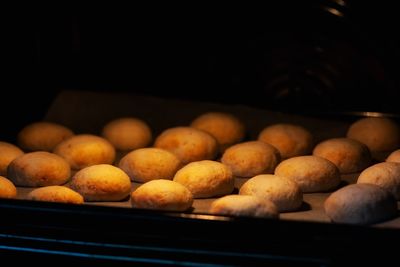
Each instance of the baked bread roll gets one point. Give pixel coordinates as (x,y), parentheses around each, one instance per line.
(8,152)
(385,175)
(43,136)
(146,164)
(311,173)
(56,193)
(360,204)
(162,195)
(394,156)
(39,169)
(291,140)
(347,154)
(7,188)
(282,191)
(188,144)
(242,205)
(379,134)
(206,178)
(127,133)
(224,127)
(84,150)
(251,158)
(101,182)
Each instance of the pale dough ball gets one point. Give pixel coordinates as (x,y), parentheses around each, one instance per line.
(146,164)
(379,134)
(86,150)
(7,188)
(311,173)
(347,154)
(251,158)
(43,136)
(206,178)
(291,140)
(225,127)
(242,205)
(8,152)
(101,183)
(394,156)
(188,144)
(162,195)
(127,133)
(282,191)
(385,174)
(360,204)
(39,169)
(56,193)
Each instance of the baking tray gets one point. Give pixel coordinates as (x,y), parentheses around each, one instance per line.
(113,233)
(88,112)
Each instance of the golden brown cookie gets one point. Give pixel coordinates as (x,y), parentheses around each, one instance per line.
(283,192)
(162,195)
(146,164)
(251,158)
(385,175)
(206,178)
(43,136)
(347,154)
(188,144)
(7,188)
(224,127)
(56,193)
(39,169)
(101,183)
(360,204)
(127,133)
(242,205)
(8,152)
(311,173)
(85,150)
(291,140)
(379,134)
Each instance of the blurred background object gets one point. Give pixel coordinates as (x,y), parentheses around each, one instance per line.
(298,56)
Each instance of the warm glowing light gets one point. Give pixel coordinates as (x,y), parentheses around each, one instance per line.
(334,11)
(372,114)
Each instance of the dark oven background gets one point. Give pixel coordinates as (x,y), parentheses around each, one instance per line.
(310,56)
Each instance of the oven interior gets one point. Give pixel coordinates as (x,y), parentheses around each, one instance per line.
(322,59)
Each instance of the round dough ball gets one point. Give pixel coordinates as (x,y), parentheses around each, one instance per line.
(43,136)
(8,152)
(360,204)
(282,191)
(7,188)
(188,144)
(146,164)
(39,169)
(162,195)
(206,178)
(101,183)
(251,158)
(242,205)
(394,156)
(127,133)
(311,173)
(347,154)
(385,175)
(86,150)
(379,134)
(291,140)
(224,127)
(56,193)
